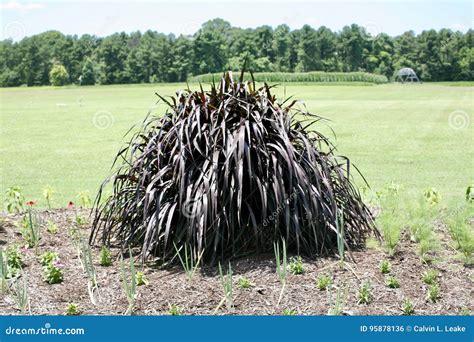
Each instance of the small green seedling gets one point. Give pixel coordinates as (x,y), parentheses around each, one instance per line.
(407,307)
(51,227)
(323,282)
(53,273)
(392,283)
(175,310)
(296,265)
(141,279)
(244,283)
(433,293)
(430,277)
(48,258)
(365,295)
(105,256)
(385,267)
(72,309)
(289,312)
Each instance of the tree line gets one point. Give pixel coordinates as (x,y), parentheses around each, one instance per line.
(54,58)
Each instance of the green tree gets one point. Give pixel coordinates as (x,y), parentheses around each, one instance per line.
(58,75)
(88,73)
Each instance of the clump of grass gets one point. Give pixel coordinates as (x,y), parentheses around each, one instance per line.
(244,283)
(385,267)
(365,295)
(129,282)
(72,309)
(206,133)
(141,279)
(226,282)
(190,261)
(289,312)
(174,310)
(389,220)
(14,200)
(421,217)
(459,222)
(430,277)
(433,293)
(323,282)
(31,227)
(51,227)
(296,265)
(105,257)
(407,307)
(392,282)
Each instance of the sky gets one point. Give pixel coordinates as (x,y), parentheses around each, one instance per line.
(101,18)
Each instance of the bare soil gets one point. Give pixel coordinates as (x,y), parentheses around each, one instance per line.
(204,293)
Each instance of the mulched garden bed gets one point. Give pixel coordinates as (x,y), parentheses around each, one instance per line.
(202,295)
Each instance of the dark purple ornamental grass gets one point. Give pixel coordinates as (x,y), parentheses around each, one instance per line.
(229,172)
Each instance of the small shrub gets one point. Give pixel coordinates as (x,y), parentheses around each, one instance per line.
(365,296)
(51,227)
(323,282)
(72,309)
(48,258)
(296,265)
(391,230)
(105,256)
(407,307)
(385,267)
(53,273)
(244,283)
(14,200)
(392,283)
(289,312)
(433,293)
(175,310)
(141,279)
(430,277)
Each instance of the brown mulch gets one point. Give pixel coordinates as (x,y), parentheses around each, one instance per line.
(202,295)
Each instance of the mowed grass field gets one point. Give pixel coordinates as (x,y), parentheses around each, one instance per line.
(416,135)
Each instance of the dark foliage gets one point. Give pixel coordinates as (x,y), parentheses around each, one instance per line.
(230,171)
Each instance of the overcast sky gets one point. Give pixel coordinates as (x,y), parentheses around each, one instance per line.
(25,18)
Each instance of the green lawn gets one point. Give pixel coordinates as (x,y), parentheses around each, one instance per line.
(392,132)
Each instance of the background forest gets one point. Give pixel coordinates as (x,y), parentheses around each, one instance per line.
(54,58)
